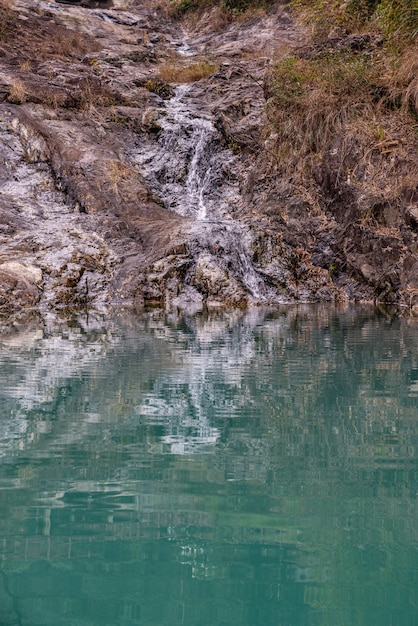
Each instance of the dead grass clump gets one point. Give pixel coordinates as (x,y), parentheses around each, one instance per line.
(8,22)
(178,8)
(325,15)
(91,93)
(68,43)
(17,92)
(40,39)
(118,173)
(214,19)
(174,72)
(397,20)
(219,18)
(403,79)
(25,65)
(310,101)
(228,9)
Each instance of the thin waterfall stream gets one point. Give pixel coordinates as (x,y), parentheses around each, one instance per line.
(183,165)
(190,170)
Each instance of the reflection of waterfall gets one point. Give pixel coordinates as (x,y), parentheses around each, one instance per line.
(188,400)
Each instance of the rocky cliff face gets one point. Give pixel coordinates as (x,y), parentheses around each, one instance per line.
(137,166)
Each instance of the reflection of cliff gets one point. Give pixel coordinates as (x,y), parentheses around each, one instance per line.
(276,450)
(261,392)
(298,382)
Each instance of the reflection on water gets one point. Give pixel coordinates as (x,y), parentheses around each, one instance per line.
(243,469)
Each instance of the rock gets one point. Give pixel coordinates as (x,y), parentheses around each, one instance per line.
(18,287)
(35,146)
(28,273)
(189,300)
(217,287)
(150,120)
(117,186)
(411,216)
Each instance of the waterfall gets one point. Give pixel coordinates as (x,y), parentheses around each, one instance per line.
(181,165)
(198,179)
(185,164)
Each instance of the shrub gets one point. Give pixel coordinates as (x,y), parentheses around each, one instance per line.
(398,20)
(234,7)
(403,79)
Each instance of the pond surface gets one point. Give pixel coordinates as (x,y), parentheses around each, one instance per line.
(238,469)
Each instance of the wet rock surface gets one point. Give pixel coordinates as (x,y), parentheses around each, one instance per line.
(119,186)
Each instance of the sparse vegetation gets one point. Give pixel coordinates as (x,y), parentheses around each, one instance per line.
(348,102)
(173,71)
(397,20)
(310,100)
(232,7)
(25,66)
(17,92)
(118,172)
(160,87)
(8,21)
(36,40)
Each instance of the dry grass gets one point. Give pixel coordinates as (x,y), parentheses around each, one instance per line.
(25,66)
(215,19)
(354,105)
(397,20)
(8,21)
(403,79)
(17,92)
(37,38)
(68,43)
(312,101)
(344,120)
(173,71)
(91,93)
(231,9)
(118,173)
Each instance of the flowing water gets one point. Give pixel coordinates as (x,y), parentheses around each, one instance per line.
(250,469)
(185,163)
(193,174)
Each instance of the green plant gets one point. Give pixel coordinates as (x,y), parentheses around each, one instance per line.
(398,20)
(160,87)
(233,145)
(232,7)
(331,269)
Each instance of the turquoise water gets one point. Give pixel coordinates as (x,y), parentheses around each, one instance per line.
(238,469)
